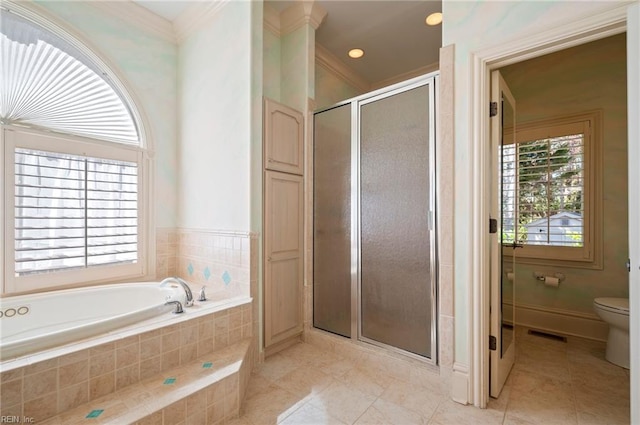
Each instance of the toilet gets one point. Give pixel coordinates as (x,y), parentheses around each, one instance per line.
(615,311)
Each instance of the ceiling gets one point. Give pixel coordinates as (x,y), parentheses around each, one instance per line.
(392,33)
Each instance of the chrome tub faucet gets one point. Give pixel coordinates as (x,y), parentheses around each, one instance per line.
(184,285)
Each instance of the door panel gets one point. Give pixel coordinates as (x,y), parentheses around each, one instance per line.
(332,220)
(395,234)
(502,355)
(283,256)
(283,138)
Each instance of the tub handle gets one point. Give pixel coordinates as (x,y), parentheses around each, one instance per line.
(178,305)
(202,296)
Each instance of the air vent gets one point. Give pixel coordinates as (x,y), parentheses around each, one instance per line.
(547,335)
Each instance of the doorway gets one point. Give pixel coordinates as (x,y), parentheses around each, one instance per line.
(494,57)
(568,146)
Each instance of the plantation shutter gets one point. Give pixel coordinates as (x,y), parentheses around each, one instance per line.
(543,183)
(73,211)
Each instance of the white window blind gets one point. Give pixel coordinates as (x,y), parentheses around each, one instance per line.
(543,184)
(48,82)
(73,211)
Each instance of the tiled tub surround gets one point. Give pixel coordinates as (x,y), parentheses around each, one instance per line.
(34,322)
(54,381)
(211,253)
(218,260)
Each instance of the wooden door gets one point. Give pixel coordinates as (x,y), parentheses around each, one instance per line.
(283,138)
(283,266)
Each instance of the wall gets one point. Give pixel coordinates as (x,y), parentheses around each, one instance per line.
(471,26)
(331,89)
(215,122)
(583,78)
(147,62)
(271,64)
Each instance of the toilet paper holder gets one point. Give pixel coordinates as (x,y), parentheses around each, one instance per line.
(541,276)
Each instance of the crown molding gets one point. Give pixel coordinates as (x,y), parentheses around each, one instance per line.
(299,14)
(139,16)
(271,19)
(195,16)
(331,63)
(406,75)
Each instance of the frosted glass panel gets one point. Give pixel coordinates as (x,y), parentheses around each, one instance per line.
(395,236)
(332,221)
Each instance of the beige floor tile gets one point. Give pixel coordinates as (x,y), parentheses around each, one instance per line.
(276,366)
(367,381)
(311,415)
(500,404)
(585,418)
(304,381)
(339,368)
(342,402)
(243,420)
(541,399)
(516,420)
(309,355)
(387,413)
(603,403)
(271,406)
(415,398)
(450,412)
(544,360)
(257,384)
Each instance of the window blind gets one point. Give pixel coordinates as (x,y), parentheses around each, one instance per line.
(543,191)
(50,83)
(73,211)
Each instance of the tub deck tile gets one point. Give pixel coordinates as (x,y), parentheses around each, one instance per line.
(184,397)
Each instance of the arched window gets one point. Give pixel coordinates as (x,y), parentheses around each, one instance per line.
(73,163)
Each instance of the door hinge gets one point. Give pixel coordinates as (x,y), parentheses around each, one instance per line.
(493,109)
(628,264)
(493,225)
(492,343)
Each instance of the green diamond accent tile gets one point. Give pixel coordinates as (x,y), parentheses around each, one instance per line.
(169,381)
(95,413)
(207,365)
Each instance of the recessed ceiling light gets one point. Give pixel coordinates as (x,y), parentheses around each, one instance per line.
(356,53)
(434,18)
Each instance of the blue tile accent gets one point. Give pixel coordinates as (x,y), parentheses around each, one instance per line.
(169,381)
(207,365)
(207,273)
(226,277)
(190,269)
(94,413)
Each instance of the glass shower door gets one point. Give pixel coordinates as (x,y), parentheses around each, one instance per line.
(396,232)
(332,221)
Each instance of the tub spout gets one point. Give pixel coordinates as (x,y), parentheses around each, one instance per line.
(184,285)
(178,304)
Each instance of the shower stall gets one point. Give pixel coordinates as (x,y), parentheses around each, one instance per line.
(374,251)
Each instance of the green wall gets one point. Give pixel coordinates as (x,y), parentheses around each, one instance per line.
(584,78)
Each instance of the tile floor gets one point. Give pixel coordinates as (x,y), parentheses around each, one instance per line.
(552,382)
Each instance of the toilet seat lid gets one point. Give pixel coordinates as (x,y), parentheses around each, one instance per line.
(619,304)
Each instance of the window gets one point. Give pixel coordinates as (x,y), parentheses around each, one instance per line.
(74,167)
(549,190)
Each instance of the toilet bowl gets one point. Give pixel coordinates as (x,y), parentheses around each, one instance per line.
(615,311)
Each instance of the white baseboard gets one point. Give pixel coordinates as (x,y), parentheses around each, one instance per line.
(460,384)
(563,322)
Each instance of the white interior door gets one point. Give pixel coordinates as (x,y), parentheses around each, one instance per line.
(502,340)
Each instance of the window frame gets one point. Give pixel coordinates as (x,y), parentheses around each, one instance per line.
(590,254)
(15,137)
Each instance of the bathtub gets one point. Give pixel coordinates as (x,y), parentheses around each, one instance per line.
(31,323)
